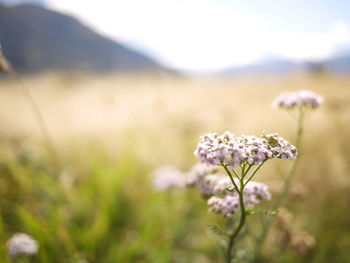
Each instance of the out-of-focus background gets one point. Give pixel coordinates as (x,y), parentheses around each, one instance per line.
(124,87)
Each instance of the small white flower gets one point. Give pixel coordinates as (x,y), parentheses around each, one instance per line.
(280,148)
(222,185)
(198,172)
(207,184)
(301,98)
(226,206)
(253,193)
(168,177)
(214,149)
(22,244)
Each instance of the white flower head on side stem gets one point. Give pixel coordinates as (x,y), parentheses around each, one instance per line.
(22,244)
(301,98)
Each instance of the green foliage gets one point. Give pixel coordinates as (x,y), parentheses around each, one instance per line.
(105,210)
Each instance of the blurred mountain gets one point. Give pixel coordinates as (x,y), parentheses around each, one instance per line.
(267,66)
(16,2)
(281,66)
(338,64)
(36,39)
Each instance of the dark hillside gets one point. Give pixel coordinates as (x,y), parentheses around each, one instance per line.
(37,39)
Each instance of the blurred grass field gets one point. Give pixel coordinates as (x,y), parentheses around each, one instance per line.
(111,132)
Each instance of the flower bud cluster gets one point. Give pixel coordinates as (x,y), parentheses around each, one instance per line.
(301,98)
(168,177)
(214,149)
(223,197)
(226,206)
(21,244)
(253,193)
(198,172)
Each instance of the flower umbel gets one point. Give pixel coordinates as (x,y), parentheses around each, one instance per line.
(214,149)
(230,204)
(301,98)
(21,244)
(237,155)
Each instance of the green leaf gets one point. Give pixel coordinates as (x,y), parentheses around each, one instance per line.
(252,211)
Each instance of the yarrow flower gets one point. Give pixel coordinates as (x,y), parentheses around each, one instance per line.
(168,177)
(301,98)
(223,197)
(22,244)
(197,172)
(214,149)
(253,193)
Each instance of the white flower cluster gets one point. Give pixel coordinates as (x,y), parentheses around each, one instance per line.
(208,183)
(214,149)
(168,177)
(278,147)
(290,100)
(21,244)
(199,171)
(223,198)
(229,203)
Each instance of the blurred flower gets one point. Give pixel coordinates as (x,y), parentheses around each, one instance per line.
(301,98)
(22,244)
(214,149)
(222,185)
(303,243)
(168,177)
(256,191)
(206,185)
(210,184)
(198,172)
(229,204)
(284,224)
(226,206)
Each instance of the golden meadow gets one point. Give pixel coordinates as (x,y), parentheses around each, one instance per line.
(96,203)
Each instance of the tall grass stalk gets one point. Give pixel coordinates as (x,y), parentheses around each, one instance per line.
(7,67)
(268,220)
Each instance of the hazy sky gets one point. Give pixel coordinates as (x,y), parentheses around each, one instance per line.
(213,34)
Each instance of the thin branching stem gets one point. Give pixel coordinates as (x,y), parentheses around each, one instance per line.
(267,222)
(230,175)
(253,173)
(235,173)
(240,224)
(240,191)
(250,166)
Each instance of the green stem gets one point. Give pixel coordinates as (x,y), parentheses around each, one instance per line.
(240,191)
(267,222)
(246,172)
(255,171)
(230,175)
(241,222)
(234,172)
